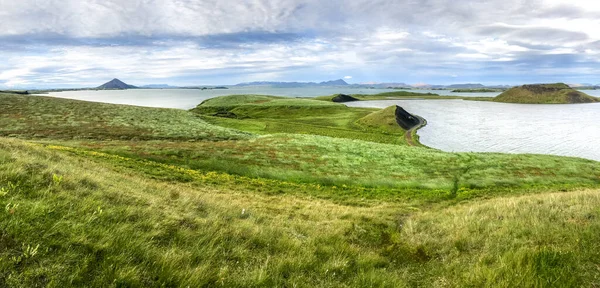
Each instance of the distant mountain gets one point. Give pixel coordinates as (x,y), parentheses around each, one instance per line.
(381,85)
(338,82)
(392,85)
(466,86)
(158,86)
(116,84)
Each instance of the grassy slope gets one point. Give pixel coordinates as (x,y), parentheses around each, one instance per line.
(384,119)
(317,211)
(45,117)
(268,114)
(111,226)
(397,171)
(260,100)
(545,94)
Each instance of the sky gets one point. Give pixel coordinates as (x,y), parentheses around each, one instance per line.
(84,43)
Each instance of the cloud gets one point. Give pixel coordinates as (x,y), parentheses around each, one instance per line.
(186,42)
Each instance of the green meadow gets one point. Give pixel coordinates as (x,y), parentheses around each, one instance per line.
(263,191)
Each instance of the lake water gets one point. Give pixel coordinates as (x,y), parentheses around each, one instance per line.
(453,125)
(463,126)
(189,98)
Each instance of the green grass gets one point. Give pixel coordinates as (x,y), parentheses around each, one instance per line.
(393,171)
(44,117)
(260,100)
(69,220)
(268,114)
(384,120)
(100,195)
(558,93)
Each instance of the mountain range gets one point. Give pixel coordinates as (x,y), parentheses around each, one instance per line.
(117,84)
(338,82)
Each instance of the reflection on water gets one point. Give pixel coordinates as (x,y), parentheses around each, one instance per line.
(457,125)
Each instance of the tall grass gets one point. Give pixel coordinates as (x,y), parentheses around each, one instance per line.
(123,196)
(100,228)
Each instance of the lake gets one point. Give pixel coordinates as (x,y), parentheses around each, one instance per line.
(189,98)
(464,126)
(453,125)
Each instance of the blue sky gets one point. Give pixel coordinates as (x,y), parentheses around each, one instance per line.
(82,43)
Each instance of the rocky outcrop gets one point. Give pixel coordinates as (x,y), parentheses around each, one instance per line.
(406,120)
(341,98)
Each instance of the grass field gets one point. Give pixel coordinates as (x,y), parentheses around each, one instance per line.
(268,114)
(111,226)
(45,117)
(398,171)
(235,209)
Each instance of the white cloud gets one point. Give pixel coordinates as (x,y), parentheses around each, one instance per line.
(80,41)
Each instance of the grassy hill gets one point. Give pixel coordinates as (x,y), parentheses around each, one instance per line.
(274,209)
(269,114)
(558,93)
(384,119)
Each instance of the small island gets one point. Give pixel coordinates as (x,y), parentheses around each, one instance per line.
(558,93)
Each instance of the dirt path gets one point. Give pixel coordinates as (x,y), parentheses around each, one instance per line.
(408,136)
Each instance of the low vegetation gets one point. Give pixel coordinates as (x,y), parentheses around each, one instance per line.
(558,93)
(393,171)
(384,119)
(233,209)
(390,95)
(268,114)
(45,117)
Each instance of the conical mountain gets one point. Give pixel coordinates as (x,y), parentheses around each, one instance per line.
(116,84)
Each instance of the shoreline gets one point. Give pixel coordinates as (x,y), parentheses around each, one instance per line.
(412,138)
